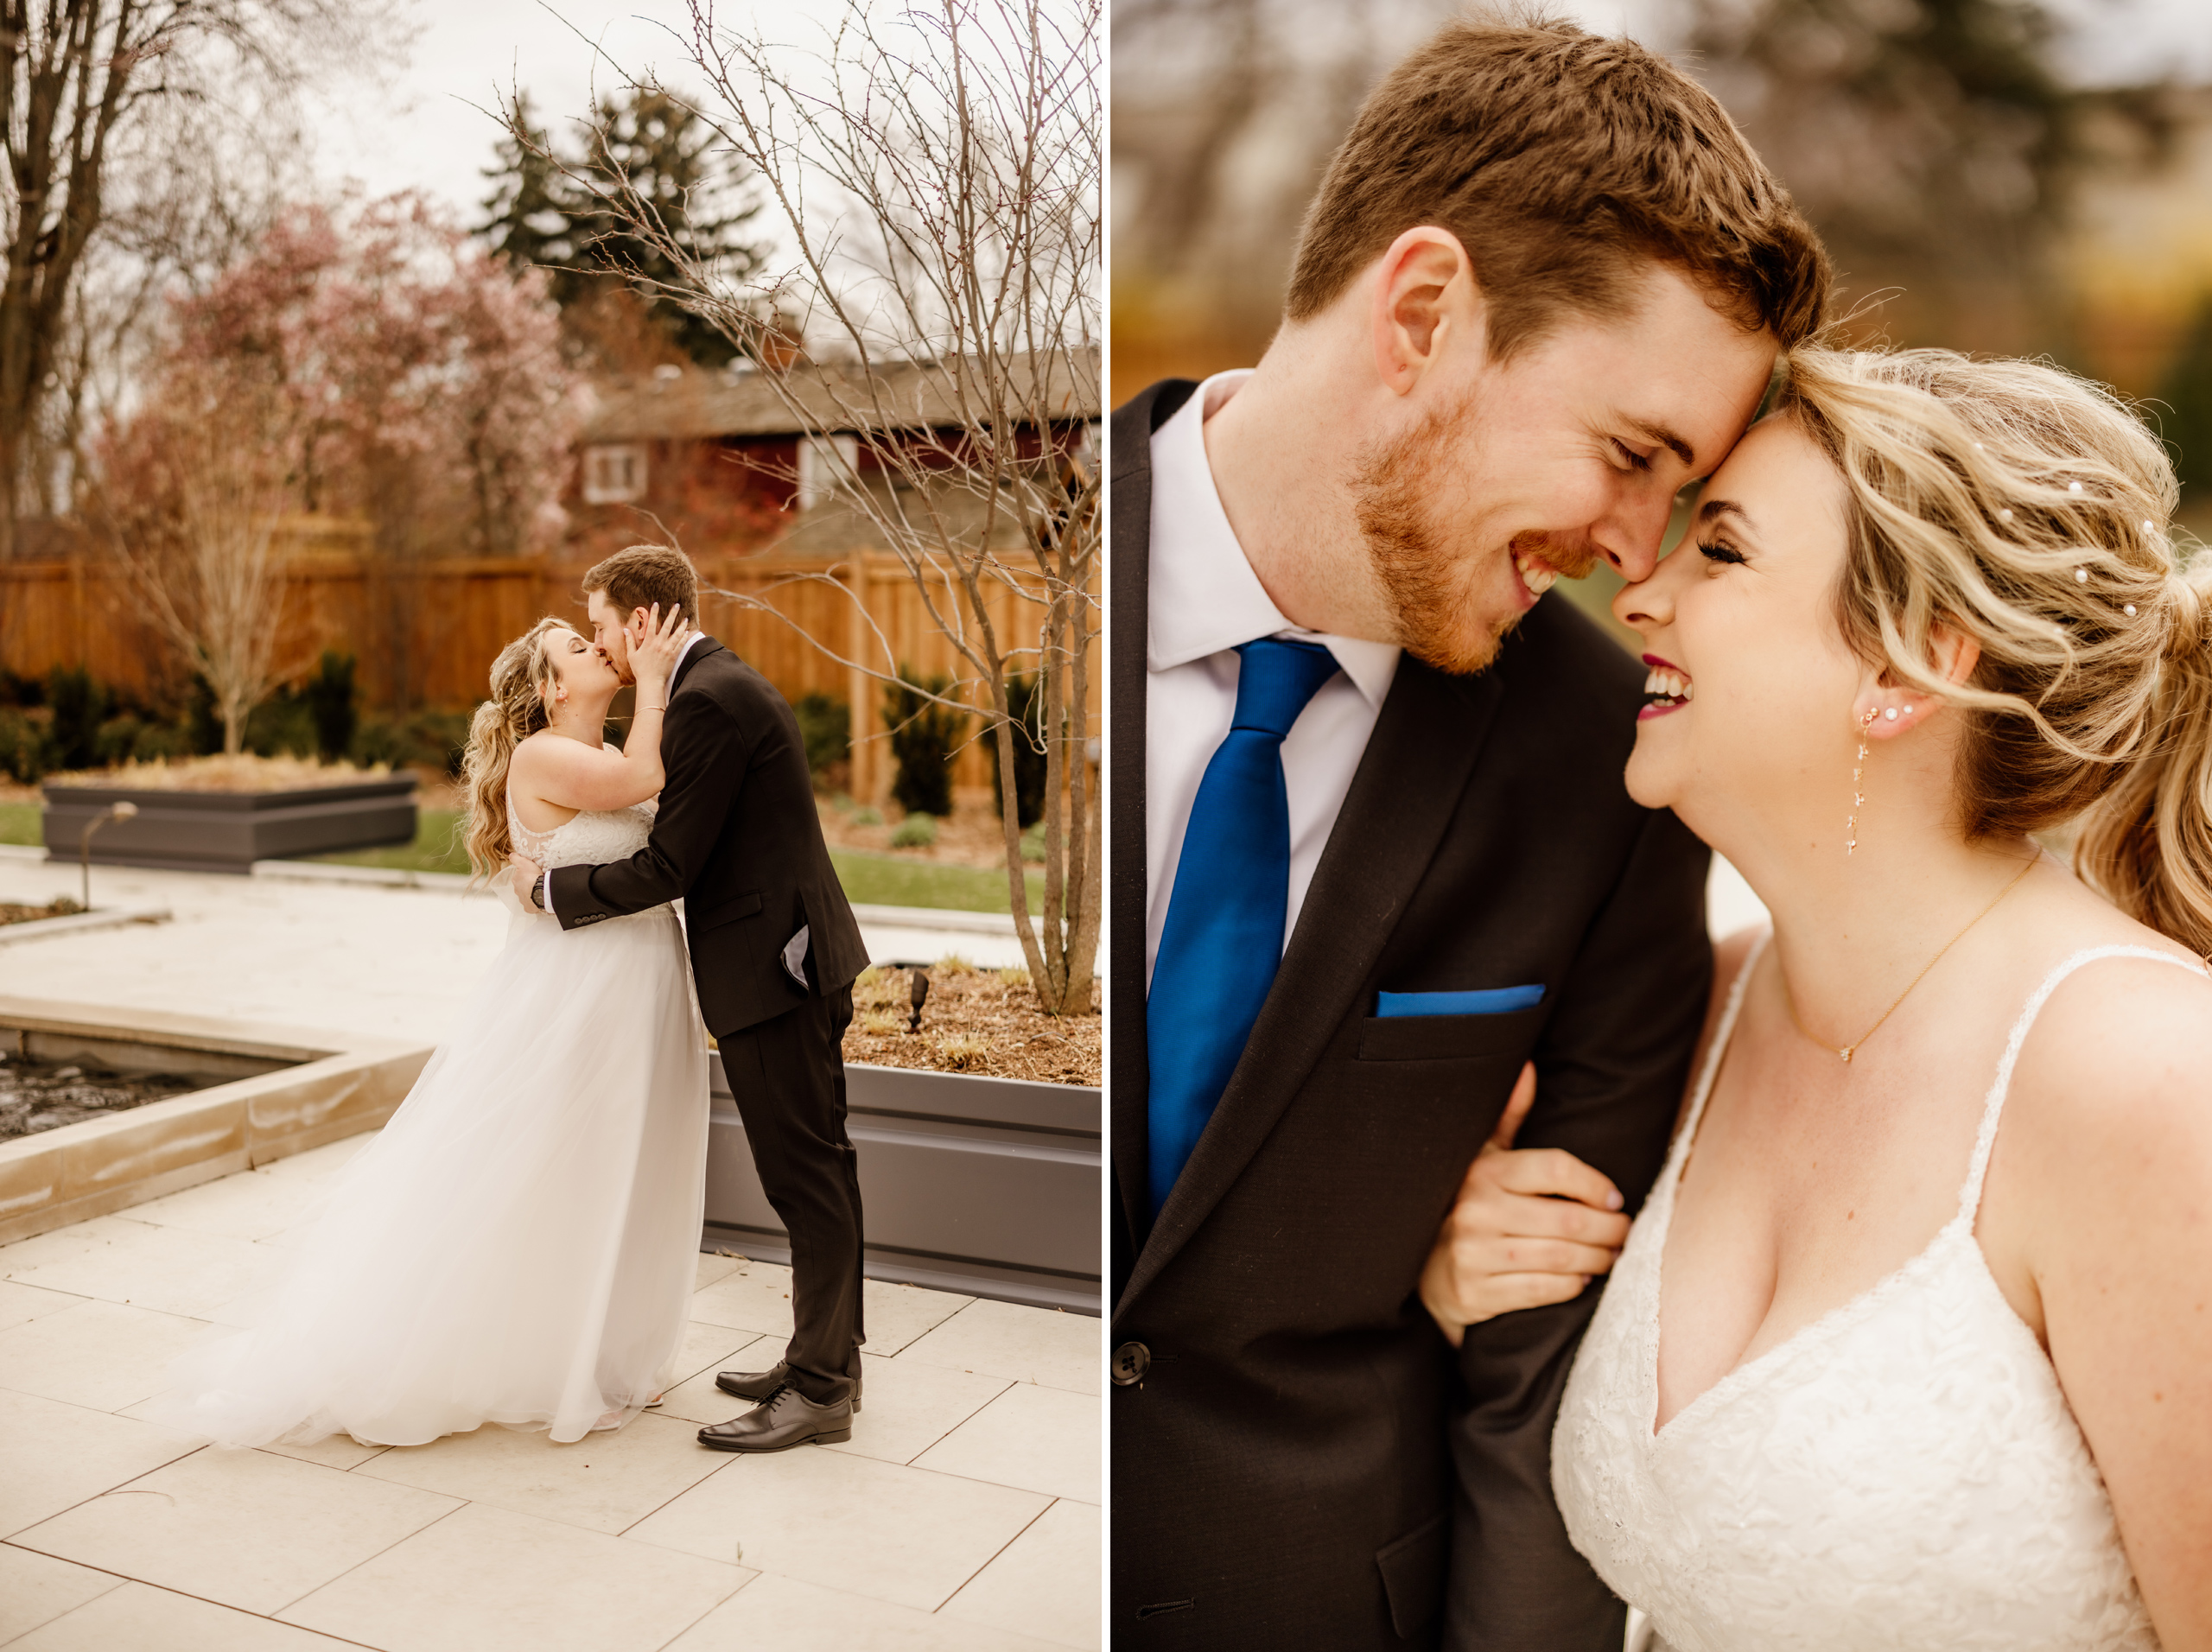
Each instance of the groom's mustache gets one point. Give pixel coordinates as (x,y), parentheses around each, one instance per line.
(1574,558)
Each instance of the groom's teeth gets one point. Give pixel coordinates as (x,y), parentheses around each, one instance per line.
(1538,576)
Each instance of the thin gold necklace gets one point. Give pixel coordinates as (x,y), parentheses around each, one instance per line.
(1854,1047)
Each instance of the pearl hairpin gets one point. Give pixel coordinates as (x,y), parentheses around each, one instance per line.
(2073,487)
(2130,610)
(2005,514)
(2149,526)
(2081,576)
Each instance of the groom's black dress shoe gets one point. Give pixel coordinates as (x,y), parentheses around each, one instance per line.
(786,1419)
(759,1385)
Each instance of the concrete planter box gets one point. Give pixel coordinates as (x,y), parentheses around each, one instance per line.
(292,1091)
(989,1186)
(228,831)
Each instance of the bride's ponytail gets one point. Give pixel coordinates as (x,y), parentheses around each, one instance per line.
(514,712)
(2147,842)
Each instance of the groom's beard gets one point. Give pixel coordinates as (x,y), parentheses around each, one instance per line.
(1435,584)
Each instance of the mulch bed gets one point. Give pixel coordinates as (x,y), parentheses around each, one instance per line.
(983,1021)
(970,835)
(15,913)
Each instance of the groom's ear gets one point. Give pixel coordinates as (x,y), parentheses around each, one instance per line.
(1425,302)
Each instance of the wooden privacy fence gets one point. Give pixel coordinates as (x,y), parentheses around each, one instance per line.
(427,637)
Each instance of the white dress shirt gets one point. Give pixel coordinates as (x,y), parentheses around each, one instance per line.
(545,879)
(1205,600)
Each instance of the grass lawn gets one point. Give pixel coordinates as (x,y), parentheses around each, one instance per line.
(870,880)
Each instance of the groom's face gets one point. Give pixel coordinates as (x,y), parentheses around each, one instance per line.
(609,634)
(1514,474)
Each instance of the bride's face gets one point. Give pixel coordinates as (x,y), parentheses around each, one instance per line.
(586,674)
(1755,724)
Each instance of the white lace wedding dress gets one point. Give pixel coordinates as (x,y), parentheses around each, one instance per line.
(1901,1473)
(518,1245)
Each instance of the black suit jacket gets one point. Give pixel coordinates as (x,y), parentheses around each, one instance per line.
(1284,1476)
(738,837)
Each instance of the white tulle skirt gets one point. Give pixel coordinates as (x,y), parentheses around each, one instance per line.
(518,1245)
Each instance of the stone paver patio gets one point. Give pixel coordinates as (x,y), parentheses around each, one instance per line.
(964,1513)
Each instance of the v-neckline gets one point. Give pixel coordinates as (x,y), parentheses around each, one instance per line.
(1738,1373)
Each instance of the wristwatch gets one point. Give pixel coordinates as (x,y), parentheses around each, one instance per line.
(538,890)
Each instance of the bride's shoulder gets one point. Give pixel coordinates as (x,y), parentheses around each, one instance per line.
(2119,1048)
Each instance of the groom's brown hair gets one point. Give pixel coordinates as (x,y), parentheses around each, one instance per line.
(646,576)
(1561,161)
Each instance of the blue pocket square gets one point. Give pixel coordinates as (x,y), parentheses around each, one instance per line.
(1494,1002)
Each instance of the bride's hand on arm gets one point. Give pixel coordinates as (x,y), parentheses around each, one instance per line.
(1532,1226)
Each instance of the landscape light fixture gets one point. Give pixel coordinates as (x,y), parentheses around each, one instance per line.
(125,810)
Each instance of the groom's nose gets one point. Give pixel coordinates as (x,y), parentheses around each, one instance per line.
(1631,534)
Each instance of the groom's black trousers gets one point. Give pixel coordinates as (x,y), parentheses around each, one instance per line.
(787,1076)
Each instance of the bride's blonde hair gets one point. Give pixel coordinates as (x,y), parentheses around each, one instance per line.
(2031,510)
(521,677)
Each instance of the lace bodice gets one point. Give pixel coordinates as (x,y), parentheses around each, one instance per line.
(586,839)
(1903,1472)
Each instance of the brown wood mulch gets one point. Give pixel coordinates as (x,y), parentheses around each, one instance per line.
(984,1021)
(970,835)
(12,911)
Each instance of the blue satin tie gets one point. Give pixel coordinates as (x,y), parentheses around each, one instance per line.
(1223,940)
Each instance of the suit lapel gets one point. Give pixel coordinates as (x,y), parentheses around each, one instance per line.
(1408,783)
(692,656)
(1130,561)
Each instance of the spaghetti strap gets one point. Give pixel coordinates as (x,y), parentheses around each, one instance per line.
(1986,1138)
(1721,1034)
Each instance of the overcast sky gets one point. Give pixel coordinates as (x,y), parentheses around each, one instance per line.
(415,127)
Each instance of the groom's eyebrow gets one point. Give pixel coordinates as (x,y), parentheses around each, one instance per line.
(1666,438)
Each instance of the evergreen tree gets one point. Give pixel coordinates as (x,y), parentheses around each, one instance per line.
(527,215)
(564,211)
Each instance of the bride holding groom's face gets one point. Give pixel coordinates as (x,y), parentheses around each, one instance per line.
(1924,1246)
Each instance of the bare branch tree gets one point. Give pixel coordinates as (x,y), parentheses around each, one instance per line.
(195,493)
(936,174)
(84,85)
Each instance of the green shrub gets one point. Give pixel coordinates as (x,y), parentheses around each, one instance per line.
(868,817)
(826,725)
(118,740)
(203,726)
(331,705)
(915,832)
(429,740)
(924,736)
(1033,843)
(80,705)
(281,726)
(1025,700)
(23,746)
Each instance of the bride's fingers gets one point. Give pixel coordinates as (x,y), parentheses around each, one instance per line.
(1516,1108)
(1473,1259)
(1495,1212)
(1556,1173)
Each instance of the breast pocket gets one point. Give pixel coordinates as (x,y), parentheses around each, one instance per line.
(1450,1038)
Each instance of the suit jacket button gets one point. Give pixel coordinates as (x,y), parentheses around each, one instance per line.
(1131,1360)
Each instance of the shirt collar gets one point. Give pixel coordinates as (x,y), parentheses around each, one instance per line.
(1204,597)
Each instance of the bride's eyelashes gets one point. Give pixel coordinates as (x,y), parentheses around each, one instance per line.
(1717,549)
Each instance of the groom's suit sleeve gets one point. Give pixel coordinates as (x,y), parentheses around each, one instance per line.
(1611,1065)
(703,753)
